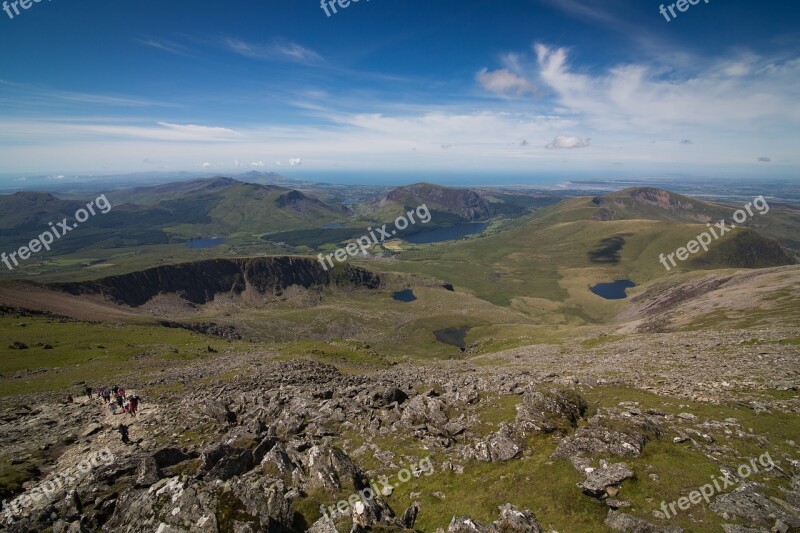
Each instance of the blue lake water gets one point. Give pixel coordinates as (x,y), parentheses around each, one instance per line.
(446,234)
(206,243)
(453,336)
(404,296)
(614,290)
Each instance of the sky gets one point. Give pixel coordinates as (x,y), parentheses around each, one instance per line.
(495,87)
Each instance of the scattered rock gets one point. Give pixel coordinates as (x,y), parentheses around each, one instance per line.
(600,479)
(630,524)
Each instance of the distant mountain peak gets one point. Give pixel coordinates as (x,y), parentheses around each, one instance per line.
(465,203)
(221,181)
(290,198)
(647,196)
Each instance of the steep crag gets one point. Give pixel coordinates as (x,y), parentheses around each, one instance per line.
(199,282)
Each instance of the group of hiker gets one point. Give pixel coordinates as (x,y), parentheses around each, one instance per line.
(118,401)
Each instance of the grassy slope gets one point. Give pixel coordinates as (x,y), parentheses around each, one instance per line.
(778,222)
(89,351)
(547,259)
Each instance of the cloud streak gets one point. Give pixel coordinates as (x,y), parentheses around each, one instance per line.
(165,45)
(277,51)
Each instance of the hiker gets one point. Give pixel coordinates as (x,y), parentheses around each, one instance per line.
(121,391)
(89,393)
(70,399)
(119,400)
(134,404)
(123,430)
(114,389)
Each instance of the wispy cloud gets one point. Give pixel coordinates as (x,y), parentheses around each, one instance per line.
(297,53)
(38,95)
(165,45)
(278,50)
(633,96)
(583,9)
(195,132)
(739,107)
(88,130)
(614,14)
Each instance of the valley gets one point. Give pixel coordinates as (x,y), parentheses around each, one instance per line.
(488,353)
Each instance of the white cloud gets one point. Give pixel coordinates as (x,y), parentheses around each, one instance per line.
(638,97)
(638,114)
(567,142)
(257,164)
(504,82)
(205,165)
(295,162)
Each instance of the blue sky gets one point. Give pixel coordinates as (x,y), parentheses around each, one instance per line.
(568,87)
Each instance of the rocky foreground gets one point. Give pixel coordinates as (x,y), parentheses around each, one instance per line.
(302,446)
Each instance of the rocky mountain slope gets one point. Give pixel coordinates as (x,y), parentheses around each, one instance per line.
(200,281)
(264,449)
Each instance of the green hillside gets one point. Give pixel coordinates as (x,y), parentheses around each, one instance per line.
(560,251)
(447,205)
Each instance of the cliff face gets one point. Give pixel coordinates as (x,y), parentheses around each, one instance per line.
(198,282)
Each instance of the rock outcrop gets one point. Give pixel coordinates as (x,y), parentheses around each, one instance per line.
(199,282)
